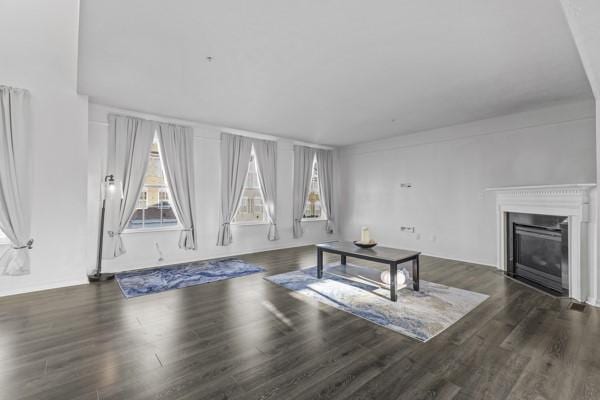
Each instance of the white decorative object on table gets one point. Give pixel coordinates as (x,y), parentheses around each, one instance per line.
(364,235)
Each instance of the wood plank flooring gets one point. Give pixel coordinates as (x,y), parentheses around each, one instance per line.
(247,338)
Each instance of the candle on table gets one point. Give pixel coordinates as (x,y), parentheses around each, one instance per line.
(364,235)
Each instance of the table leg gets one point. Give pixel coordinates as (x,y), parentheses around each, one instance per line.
(393,276)
(343,258)
(415,268)
(319,263)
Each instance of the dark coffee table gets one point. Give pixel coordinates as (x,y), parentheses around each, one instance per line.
(385,255)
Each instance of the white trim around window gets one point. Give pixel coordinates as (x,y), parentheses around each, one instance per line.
(321,218)
(250,223)
(175,228)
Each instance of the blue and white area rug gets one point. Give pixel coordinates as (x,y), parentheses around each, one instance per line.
(155,280)
(420,315)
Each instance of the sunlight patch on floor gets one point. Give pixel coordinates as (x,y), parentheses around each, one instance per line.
(278,314)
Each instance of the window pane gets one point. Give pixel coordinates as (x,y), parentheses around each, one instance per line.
(251,205)
(153,208)
(313,201)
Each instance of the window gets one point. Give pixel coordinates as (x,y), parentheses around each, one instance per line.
(163,200)
(251,208)
(313,210)
(153,208)
(142,202)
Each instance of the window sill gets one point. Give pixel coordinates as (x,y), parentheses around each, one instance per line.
(151,230)
(249,223)
(313,220)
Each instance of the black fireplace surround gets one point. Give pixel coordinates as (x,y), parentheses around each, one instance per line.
(538,251)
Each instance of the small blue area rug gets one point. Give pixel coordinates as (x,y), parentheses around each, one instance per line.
(155,280)
(419,315)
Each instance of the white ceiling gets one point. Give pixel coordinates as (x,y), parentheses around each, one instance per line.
(328,71)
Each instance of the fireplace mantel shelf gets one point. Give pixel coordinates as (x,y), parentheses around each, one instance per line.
(542,187)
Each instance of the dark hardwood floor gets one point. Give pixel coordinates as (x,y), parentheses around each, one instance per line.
(247,338)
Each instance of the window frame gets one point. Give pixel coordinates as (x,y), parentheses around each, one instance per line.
(323,216)
(264,220)
(145,200)
(167,189)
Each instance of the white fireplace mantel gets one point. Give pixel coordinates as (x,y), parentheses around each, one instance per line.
(572,201)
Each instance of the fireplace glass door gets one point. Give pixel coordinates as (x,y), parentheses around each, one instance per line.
(538,255)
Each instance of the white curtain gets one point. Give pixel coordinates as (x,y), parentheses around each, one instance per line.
(129,143)
(235,156)
(14,180)
(176,146)
(266,161)
(325,171)
(303,162)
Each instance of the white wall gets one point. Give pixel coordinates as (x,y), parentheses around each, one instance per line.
(451,167)
(38,43)
(39,53)
(595,234)
(140,246)
(448,167)
(583,17)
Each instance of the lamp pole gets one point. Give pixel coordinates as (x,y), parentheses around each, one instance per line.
(109,180)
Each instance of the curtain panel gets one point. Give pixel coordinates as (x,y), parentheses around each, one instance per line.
(266,160)
(303,162)
(129,143)
(325,171)
(15,180)
(235,156)
(176,147)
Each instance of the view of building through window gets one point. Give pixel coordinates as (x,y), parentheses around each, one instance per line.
(153,209)
(251,206)
(313,201)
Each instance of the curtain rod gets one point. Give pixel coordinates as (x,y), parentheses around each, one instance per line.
(255,135)
(316,146)
(272,137)
(175,121)
(157,121)
(144,115)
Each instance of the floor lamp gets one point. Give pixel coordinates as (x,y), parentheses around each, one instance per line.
(111,190)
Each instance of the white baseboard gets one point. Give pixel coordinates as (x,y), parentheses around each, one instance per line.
(592,301)
(37,288)
(152,263)
(445,257)
(84,281)
(55,285)
(461,260)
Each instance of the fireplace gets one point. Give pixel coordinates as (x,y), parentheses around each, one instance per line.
(570,206)
(538,250)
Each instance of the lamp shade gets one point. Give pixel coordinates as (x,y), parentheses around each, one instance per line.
(112,188)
